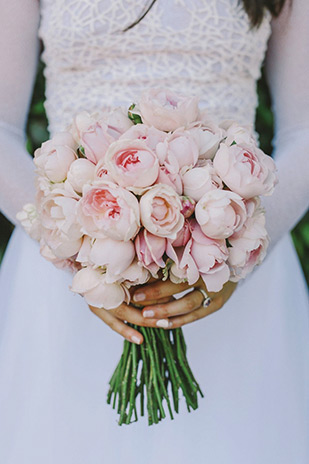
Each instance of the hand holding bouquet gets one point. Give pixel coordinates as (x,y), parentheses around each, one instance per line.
(162,192)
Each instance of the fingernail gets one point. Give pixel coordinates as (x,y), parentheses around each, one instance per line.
(148,313)
(139,296)
(135,339)
(163,323)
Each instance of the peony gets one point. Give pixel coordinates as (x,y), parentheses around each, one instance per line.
(249,244)
(199,180)
(107,210)
(114,256)
(132,163)
(173,179)
(135,275)
(117,121)
(160,210)
(238,134)
(92,133)
(220,213)
(207,137)
(80,173)
(178,152)
(210,257)
(55,157)
(60,228)
(150,135)
(246,170)
(150,250)
(67,264)
(92,285)
(166,110)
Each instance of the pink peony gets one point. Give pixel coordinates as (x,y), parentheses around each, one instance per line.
(246,170)
(107,210)
(60,228)
(210,256)
(114,256)
(91,284)
(249,244)
(149,135)
(200,180)
(81,172)
(132,163)
(166,110)
(220,213)
(92,133)
(178,152)
(55,157)
(160,210)
(150,250)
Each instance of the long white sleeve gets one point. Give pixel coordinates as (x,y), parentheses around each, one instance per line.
(18,61)
(287,67)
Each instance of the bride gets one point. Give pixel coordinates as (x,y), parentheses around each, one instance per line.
(252,356)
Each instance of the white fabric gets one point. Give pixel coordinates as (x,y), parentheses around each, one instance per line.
(252,356)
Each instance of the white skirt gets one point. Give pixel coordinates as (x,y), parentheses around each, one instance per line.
(251,359)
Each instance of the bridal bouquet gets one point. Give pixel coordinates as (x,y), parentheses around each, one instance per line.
(158,191)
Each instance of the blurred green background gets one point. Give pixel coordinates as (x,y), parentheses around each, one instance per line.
(37,133)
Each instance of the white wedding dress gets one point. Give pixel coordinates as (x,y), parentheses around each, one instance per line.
(251,357)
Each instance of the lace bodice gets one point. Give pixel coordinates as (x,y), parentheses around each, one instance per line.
(200,47)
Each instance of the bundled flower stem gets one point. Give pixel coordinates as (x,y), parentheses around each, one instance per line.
(150,370)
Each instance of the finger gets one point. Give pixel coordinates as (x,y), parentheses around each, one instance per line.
(186,304)
(118,326)
(199,313)
(134,316)
(158,290)
(153,302)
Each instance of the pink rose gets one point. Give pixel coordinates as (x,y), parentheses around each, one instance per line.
(91,284)
(160,210)
(132,163)
(60,228)
(150,250)
(167,110)
(246,170)
(150,135)
(249,244)
(55,157)
(107,210)
(210,257)
(200,180)
(92,133)
(81,172)
(178,151)
(220,213)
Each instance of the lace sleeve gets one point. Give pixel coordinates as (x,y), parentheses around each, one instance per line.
(287,68)
(18,58)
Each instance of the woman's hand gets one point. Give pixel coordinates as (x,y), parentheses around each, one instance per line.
(184,310)
(160,309)
(115,318)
